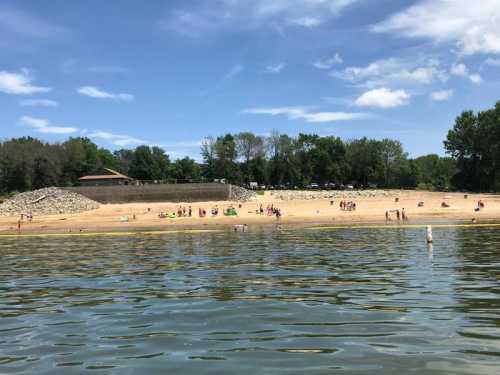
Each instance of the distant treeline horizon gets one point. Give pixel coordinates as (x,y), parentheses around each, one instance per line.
(473,146)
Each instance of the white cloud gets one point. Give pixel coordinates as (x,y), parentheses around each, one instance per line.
(460,70)
(393,72)
(183,144)
(38,103)
(247,15)
(117,139)
(94,92)
(383,98)
(275,69)
(308,22)
(474,27)
(44,126)
(19,83)
(441,96)
(492,62)
(302,113)
(328,63)
(475,78)
(234,71)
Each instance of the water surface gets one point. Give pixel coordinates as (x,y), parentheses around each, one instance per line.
(350,301)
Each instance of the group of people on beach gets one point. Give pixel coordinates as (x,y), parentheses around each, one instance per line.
(29,218)
(347,206)
(400,215)
(182,211)
(270,211)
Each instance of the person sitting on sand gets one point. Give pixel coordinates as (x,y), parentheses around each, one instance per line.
(480,204)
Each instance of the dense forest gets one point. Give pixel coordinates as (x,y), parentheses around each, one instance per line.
(279,160)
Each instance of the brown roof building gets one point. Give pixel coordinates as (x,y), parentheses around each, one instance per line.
(109,177)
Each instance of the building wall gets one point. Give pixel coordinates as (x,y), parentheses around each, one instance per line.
(155,193)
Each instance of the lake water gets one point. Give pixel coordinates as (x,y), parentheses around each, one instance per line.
(295,301)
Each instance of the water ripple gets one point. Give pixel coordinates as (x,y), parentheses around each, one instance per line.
(349,301)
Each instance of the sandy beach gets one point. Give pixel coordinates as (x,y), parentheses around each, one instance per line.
(369,209)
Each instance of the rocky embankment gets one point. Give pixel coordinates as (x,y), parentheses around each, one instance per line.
(240,194)
(288,195)
(47,201)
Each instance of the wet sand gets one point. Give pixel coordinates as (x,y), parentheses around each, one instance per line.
(298,212)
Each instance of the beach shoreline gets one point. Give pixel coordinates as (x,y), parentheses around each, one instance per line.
(370,210)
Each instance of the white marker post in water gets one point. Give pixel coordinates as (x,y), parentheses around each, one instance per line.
(429,234)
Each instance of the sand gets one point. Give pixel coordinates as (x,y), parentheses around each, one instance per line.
(108,218)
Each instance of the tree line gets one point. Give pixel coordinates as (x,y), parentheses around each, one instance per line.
(279,160)
(27,163)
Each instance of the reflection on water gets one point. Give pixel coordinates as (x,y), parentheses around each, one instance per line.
(292,301)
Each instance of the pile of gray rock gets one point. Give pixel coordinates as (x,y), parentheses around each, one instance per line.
(287,195)
(47,201)
(240,194)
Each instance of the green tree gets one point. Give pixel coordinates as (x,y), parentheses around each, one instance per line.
(248,146)
(81,158)
(225,158)
(149,163)
(185,169)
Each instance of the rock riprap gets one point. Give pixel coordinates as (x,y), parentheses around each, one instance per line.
(47,201)
(288,195)
(240,194)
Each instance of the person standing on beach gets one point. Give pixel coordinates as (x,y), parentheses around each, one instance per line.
(403,215)
(278,214)
(387,217)
(398,215)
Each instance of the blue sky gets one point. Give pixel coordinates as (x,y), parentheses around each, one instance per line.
(172,72)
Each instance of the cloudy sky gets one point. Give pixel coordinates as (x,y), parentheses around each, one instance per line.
(170,72)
